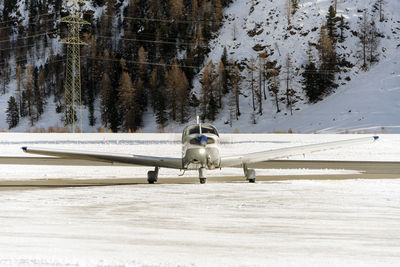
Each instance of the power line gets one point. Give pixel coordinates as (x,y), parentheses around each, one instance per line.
(150,41)
(17,20)
(36,22)
(140,63)
(29,36)
(164,20)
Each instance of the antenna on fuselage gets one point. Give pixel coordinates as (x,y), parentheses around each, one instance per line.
(199,123)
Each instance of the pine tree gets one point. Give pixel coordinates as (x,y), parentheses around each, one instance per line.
(38,97)
(128,102)
(250,70)
(363,36)
(225,63)
(331,21)
(176,9)
(274,87)
(28,89)
(328,63)
(105,99)
(18,78)
(310,82)
(221,83)
(289,76)
(372,41)
(12,113)
(5,77)
(177,88)
(236,89)
(381,4)
(142,63)
(343,25)
(288,10)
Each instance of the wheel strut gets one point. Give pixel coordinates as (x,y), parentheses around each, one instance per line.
(202,175)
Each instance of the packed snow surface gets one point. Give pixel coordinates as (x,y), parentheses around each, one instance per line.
(291,223)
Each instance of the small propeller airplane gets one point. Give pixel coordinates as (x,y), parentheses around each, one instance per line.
(200,151)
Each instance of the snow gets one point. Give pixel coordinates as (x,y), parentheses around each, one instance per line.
(280,223)
(294,223)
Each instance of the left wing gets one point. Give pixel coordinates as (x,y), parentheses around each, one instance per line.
(173,163)
(290,151)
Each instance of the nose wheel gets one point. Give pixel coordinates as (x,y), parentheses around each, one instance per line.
(202,175)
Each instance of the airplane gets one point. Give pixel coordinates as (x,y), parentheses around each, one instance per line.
(201,150)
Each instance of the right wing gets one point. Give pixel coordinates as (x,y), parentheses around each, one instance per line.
(173,163)
(290,151)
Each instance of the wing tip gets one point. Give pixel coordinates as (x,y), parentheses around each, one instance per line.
(24,148)
(376,137)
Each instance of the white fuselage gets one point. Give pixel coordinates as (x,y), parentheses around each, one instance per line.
(201,149)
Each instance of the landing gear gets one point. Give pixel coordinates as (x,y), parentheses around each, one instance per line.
(202,173)
(249,173)
(152,176)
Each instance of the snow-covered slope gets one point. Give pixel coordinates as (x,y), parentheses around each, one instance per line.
(369,102)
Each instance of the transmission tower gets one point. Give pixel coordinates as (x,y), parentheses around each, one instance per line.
(72,86)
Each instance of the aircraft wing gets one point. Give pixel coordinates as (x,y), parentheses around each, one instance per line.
(174,163)
(290,151)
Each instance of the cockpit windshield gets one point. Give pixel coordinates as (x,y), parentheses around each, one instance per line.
(205,129)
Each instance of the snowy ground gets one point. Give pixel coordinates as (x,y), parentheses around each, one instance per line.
(293,223)
(290,223)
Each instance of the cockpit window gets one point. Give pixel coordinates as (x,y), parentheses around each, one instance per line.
(205,129)
(194,130)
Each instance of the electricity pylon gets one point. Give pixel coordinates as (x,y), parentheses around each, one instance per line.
(72,85)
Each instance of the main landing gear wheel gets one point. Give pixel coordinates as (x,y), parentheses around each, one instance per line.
(202,175)
(249,173)
(152,176)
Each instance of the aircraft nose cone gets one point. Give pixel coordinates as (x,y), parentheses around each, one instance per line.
(202,140)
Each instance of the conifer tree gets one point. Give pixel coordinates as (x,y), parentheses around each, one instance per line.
(363,38)
(5,77)
(177,88)
(328,63)
(18,78)
(236,89)
(310,82)
(274,87)
(343,25)
(176,9)
(28,89)
(128,102)
(221,82)
(12,113)
(289,91)
(105,99)
(331,21)
(250,71)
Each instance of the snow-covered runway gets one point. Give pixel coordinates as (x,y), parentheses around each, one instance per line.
(291,223)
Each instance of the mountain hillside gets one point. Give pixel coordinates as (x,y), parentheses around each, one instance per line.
(268,47)
(366,100)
